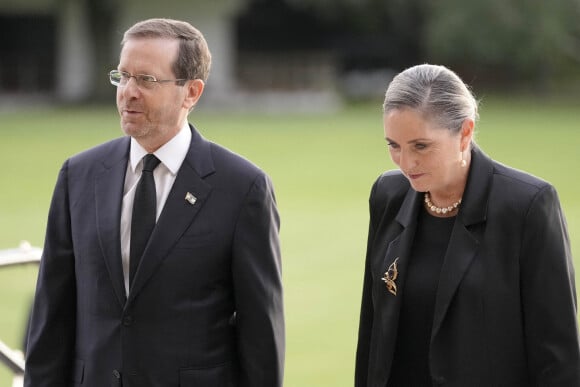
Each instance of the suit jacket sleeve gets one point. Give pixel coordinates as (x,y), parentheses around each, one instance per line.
(367,309)
(258,289)
(52,325)
(549,295)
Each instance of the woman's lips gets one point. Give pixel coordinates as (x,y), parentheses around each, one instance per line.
(415,176)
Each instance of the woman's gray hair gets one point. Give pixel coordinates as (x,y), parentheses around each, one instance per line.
(436,92)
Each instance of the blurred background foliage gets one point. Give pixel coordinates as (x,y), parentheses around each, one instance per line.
(497,43)
(65,48)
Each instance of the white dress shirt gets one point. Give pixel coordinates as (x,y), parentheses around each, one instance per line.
(171,156)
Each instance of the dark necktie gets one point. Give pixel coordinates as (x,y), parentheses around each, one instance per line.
(144,211)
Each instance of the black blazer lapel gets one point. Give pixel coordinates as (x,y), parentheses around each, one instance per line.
(398,249)
(108,200)
(464,240)
(460,252)
(187,196)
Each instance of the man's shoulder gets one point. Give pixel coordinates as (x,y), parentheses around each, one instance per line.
(230,162)
(107,151)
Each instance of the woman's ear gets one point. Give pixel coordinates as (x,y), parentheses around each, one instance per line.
(467,129)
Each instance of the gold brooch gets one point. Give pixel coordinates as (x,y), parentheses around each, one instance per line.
(391,276)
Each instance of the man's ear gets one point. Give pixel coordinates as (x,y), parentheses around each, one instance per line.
(194,91)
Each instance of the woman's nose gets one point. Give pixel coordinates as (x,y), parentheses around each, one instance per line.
(403,160)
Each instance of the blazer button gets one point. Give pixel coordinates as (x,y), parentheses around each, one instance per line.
(128,321)
(116,374)
(439,380)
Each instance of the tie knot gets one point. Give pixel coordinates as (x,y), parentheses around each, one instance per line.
(150,162)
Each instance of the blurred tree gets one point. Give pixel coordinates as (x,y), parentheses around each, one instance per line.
(273,25)
(499,42)
(364,34)
(503,41)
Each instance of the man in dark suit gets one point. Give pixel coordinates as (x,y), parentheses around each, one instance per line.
(202,304)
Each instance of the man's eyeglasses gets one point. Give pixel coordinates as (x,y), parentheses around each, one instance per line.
(144,81)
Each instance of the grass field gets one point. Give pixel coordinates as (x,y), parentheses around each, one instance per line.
(322,167)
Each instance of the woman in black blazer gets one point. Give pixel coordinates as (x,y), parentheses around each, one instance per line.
(468,276)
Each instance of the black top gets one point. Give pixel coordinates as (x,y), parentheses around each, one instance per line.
(411,360)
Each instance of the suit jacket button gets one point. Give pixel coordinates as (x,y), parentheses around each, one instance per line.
(116,374)
(127,321)
(439,380)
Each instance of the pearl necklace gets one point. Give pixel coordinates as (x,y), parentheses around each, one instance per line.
(440,210)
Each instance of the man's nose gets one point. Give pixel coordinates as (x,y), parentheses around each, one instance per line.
(130,89)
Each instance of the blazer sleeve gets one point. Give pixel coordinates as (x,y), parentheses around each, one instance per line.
(364,330)
(367,308)
(549,295)
(52,325)
(257,282)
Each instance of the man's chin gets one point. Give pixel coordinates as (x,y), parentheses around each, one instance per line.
(132,129)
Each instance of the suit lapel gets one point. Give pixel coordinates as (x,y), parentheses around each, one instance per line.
(400,246)
(398,249)
(108,199)
(460,252)
(463,243)
(187,196)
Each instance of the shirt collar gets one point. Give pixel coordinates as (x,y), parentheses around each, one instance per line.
(171,154)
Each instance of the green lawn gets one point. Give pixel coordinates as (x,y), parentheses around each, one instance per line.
(322,167)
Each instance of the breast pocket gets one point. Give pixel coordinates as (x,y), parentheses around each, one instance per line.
(223,375)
